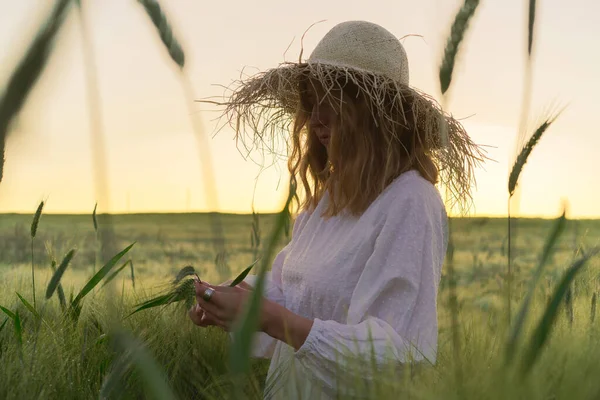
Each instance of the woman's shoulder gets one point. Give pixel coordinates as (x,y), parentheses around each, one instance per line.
(413,200)
(411,189)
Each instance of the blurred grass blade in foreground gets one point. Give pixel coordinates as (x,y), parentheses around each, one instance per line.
(243,333)
(133,351)
(531,25)
(541,333)
(457,33)
(28,71)
(549,248)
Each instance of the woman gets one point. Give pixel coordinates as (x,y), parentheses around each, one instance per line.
(361,272)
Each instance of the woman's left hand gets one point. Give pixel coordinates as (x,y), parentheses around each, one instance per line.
(225,305)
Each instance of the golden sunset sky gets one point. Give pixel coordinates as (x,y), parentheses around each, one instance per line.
(152,154)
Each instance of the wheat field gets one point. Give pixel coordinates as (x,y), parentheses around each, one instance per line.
(66,360)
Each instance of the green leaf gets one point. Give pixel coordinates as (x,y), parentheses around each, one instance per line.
(28,305)
(243,275)
(549,248)
(6,311)
(59,290)
(101,274)
(154,302)
(114,274)
(544,328)
(457,33)
(159,19)
(56,277)
(27,72)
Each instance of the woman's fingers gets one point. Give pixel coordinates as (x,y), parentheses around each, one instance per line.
(196,314)
(211,320)
(203,319)
(212,306)
(246,286)
(219,288)
(201,289)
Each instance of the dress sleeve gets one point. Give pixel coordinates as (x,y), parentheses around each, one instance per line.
(393,310)
(265,344)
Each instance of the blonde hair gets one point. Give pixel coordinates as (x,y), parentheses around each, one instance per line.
(364,155)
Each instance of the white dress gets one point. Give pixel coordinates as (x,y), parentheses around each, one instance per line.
(369,283)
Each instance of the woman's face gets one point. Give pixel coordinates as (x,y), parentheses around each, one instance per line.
(322,114)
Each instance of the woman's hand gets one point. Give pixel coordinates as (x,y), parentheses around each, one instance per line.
(224,307)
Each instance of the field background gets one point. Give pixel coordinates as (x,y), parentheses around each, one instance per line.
(195,360)
(165,243)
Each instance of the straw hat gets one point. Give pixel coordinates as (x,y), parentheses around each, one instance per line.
(261,108)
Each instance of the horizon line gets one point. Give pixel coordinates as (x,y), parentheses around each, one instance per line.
(240,213)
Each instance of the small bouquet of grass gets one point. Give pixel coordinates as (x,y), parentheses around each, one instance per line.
(182,289)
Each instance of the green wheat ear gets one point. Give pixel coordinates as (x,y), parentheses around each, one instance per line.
(159,19)
(457,33)
(526,152)
(36,220)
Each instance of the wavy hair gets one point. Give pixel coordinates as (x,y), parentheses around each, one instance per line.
(364,156)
